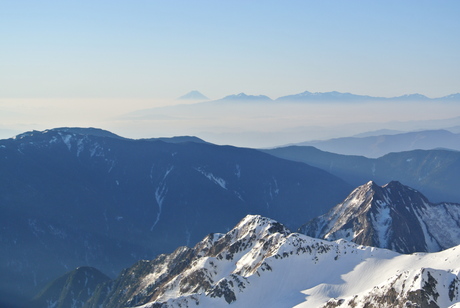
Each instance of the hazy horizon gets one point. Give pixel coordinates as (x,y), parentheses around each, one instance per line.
(89,64)
(246,123)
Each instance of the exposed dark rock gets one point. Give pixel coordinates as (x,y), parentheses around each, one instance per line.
(393,216)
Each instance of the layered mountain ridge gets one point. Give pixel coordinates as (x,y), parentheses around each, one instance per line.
(116,201)
(335,96)
(393,216)
(434,172)
(75,197)
(380,145)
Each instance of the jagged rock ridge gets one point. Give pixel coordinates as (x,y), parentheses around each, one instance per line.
(393,216)
(260,263)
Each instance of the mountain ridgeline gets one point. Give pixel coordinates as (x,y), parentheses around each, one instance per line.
(377,146)
(75,197)
(393,216)
(243,266)
(72,289)
(73,200)
(434,172)
(335,96)
(260,263)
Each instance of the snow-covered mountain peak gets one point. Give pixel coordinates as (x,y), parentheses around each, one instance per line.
(238,241)
(259,226)
(392,216)
(363,193)
(260,264)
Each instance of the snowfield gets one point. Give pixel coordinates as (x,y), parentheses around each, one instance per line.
(261,264)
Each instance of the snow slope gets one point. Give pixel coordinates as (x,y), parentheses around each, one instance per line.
(260,263)
(393,216)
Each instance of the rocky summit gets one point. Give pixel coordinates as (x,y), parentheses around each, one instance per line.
(393,216)
(260,263)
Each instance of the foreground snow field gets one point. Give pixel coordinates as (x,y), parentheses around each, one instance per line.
(260,263)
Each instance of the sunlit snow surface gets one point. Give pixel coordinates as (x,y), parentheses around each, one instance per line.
(380,216)
(282,269)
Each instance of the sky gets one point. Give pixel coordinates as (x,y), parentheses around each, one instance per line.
(74,62)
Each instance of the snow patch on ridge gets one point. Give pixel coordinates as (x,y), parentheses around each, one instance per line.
(66,139)
(381,222)
(80,146)
(215,179)
(160,194)
(96,150)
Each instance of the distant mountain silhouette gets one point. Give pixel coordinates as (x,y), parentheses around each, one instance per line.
(335,96)
(379,132)
(377,146)
(332,96)
(326,96)
(245,97)
(435,172)
(193,95)
(451,97)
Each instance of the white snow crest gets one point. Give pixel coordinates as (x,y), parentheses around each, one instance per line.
(260,265)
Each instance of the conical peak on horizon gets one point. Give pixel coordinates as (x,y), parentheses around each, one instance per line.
(194,95)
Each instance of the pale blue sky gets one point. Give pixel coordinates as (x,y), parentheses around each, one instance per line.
(163,49)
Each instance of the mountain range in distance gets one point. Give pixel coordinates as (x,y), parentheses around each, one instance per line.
(332,96)
(435,172)
(257,121)
(339,96)
(378,145)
